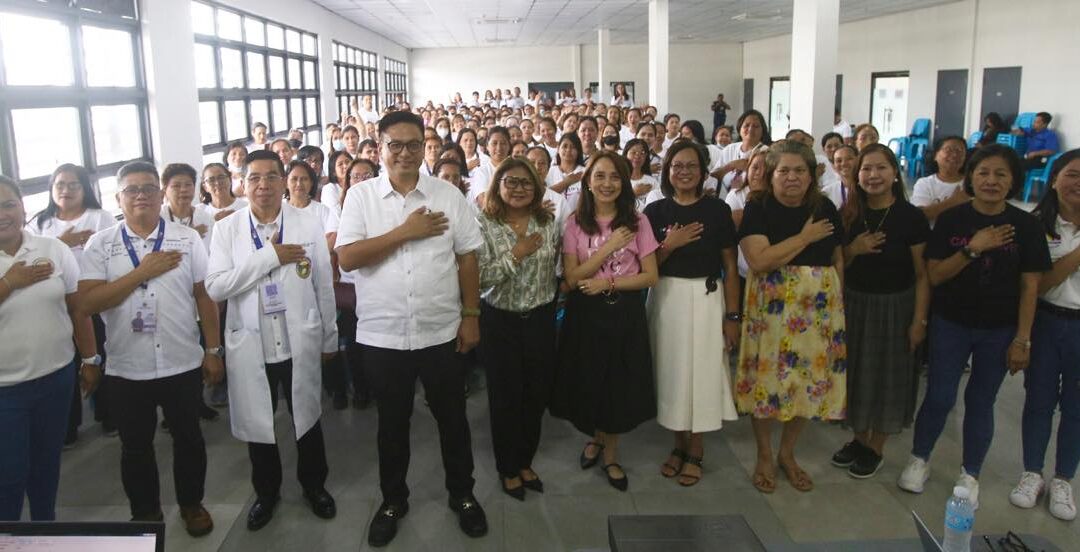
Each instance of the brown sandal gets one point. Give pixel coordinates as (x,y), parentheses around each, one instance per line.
(667,465)
(689,479)
(798,478)
(762,481)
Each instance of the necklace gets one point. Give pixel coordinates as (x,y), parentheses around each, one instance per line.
(880,224)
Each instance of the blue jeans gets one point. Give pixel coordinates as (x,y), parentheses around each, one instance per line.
(33,420)
(1053,379)
(950,346)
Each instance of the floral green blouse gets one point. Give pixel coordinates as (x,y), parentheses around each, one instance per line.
(517,287)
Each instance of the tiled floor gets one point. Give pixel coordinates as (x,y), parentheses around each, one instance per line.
(571,514)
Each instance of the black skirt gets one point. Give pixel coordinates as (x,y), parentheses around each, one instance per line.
(604,381)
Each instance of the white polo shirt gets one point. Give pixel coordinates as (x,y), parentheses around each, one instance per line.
(1067,293)
(237,204)
(330,194)
(35,321)
(327,216)
(94,220)
(199,217)
(411,300)
(173,348)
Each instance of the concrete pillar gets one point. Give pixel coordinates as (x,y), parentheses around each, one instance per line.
(168,42)
(814,31)
(659,45)
(575,68)
(603,40)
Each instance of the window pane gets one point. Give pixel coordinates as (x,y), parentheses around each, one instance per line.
(339,78)
(292,40)
(253,32)
(277,72)
(202,19)
(256,67)
(275,37)
(228,24)
(314,138)
(116,133)
(309,75)
(259,112)
(213,157)
(107,188)
(312,115)
(296,111)
(204,66)
(235,123)
(208,122)
(280,114)
(232,70)
(35,203)
(123,8)
(38,52)
(309,44)
(36,146)
(108,57)
(294,74)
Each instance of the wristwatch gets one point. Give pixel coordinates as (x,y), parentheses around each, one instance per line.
(733,317)
(969,253)
(466,311)
(92,361)
(216,351)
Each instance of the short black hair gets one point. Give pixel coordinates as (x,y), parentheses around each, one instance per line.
(995,150)
(307,152)
(399,117)
(263,155)
(829,136)
(173,170)
(311,176)
(446,161)
(259,125)
(136,167)
(1044,116)
(232,145)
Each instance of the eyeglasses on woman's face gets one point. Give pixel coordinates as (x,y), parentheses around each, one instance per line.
(516,183)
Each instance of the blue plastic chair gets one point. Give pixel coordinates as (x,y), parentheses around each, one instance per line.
(1018,143)
(1039,178)
(1024,121)
(973,140)
(907,146)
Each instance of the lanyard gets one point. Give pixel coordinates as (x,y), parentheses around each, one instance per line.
(255,235)
(131,249)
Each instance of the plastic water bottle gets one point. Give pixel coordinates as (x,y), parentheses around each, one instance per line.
(959,519)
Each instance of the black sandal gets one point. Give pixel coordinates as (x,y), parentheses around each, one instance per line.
(587,462)
(677,453)
(693,479)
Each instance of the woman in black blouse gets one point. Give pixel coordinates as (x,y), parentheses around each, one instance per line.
(886,295)
(791,354)
(697,247)
(985,259)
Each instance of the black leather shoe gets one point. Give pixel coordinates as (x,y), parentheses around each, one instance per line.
(517,492)
(621,483)
(261,512)
(587,462)
(471,517)
(383,526)
(533,484)
(322,504)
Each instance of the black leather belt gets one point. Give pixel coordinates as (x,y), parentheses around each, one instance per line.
(1072,314)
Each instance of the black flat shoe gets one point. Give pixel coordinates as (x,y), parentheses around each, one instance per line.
(383,526)
(471,517)
(322,504)
(207,413)
(533,485)
(261,512)
(517,492)
(621,483)
(587,462)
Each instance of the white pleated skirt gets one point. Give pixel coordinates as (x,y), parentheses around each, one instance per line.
(686,327)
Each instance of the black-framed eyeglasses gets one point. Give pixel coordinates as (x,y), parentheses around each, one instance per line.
(1011,542)
(397,147)
(516,183)
(136,191)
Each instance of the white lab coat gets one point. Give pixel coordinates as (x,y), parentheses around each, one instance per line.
(236,270)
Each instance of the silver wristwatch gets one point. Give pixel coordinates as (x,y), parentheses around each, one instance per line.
(216,351)
(92,361)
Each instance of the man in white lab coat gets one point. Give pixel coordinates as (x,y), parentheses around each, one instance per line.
(270,261)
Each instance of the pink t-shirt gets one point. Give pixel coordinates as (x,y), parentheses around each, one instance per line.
(625,262)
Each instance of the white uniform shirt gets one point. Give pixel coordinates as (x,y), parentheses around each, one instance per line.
(732,152)
(834,190)
(736,199)
(653,185)
(331,194)
(326,215)
(843,128)
(411,300)
(95,220)
(1067,293)
(561,211)
(34,320)
(237,204)
(573,192)
(173,348)
(479,178)
(368,116)
(199,217)
(931,189)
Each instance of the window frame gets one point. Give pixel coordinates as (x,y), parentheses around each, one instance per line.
(395,73)
(353,89)
(220,95)
(79,95)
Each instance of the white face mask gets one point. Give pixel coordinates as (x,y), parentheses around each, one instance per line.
(443,132)
(338,145)
(235,169)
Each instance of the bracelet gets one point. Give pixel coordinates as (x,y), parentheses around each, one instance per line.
(611,285)
(1022,343)
(924,322)
(467,311)
(733,317)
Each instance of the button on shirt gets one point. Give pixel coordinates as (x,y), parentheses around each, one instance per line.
(1067,293)
(411,300)
(34,320)
(173,348)
(272,327)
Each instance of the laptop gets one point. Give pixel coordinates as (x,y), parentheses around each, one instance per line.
(929,543)
(82,537)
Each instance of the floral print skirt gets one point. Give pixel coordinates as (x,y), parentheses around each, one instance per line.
(792,354)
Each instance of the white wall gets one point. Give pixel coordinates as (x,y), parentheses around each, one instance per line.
(972,34)
(697,72)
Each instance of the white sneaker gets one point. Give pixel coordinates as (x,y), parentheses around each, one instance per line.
(1061,500)
(914,476)
(1027,491)
(972,486)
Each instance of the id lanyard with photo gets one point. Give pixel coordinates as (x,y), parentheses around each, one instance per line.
(270,295)
(144,308)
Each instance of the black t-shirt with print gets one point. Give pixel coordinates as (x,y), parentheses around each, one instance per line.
(892,270)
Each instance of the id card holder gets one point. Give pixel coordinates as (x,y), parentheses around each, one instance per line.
(144,314)
(273,301)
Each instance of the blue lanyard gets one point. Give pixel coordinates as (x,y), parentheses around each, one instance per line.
(131,249)
(255,235)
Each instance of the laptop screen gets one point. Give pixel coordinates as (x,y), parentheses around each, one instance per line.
(81,537)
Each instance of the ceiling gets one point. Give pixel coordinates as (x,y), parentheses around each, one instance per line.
(473,23)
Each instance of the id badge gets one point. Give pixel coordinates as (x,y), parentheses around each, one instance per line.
(273,301)
(144,314)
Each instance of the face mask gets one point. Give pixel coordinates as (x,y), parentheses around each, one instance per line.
(338,145)
(443,132)
(235,169)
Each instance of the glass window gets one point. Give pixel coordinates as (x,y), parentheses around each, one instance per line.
(314,138)
(235,123)
(309,75)
(209,122)
(292,40)
(116,133)
(205,76)
(202,19)
(122,8)
(107,189)
(35,203)
(45,138)
(256,66)
(109,61)
(259,112)
(311,112)
(228,24)
(254,32)
(277,72)
(352,56)
(309,44)
(294,74)
(42,52)
(280,113)
(232,70)
(275,37)
(296,111)
(339,78)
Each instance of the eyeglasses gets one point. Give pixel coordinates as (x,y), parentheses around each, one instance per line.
(257,179)
(356,178)
(136,191)
(398,147)
(1011,543)
(684,167)
(516,183)
(219,180)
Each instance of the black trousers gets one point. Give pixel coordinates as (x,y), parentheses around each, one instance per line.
(518,352)
(135,405)
(349,364)
(392,375)
(311,468)
(1035,163)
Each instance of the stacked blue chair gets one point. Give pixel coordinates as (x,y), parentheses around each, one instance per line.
(973,140)
(909,148)
(1019,143)
(1039,178)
